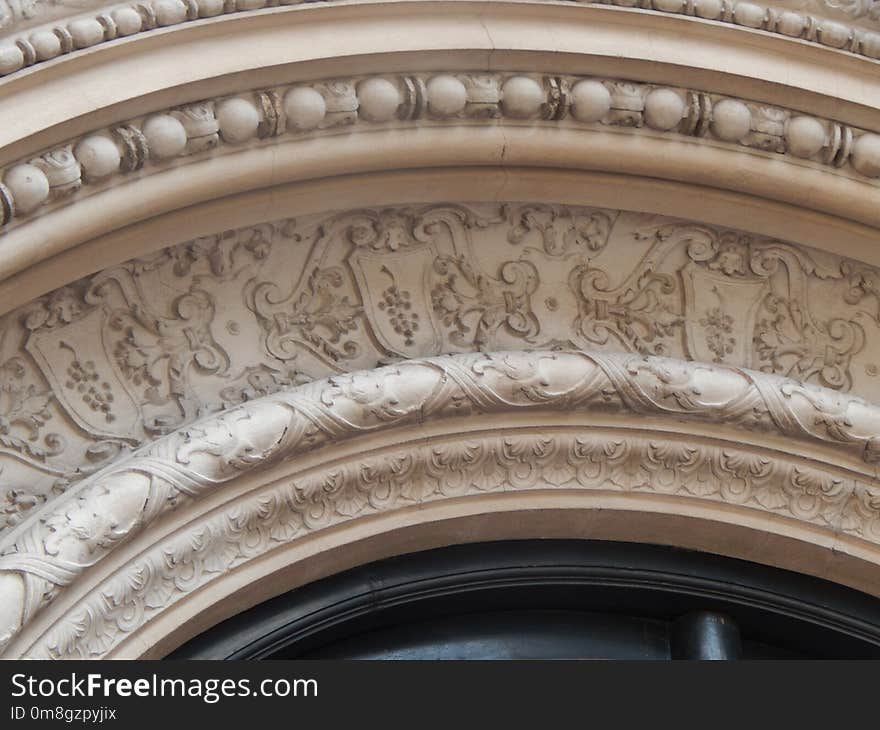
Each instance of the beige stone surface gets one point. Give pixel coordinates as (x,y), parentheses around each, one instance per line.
(285,289)
(110,362)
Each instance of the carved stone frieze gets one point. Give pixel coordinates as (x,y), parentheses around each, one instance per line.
(419,474)
(131,149)
(111,362)
(46,553)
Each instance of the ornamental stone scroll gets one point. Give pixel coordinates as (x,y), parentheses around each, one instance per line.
(58,545)
(113,361)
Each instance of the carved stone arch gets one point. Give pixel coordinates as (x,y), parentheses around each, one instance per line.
(265,243)
(725,451)
(112,361)
(704,112)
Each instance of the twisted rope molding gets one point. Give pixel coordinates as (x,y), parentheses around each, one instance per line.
(54,546)
(89,164)
(57,39)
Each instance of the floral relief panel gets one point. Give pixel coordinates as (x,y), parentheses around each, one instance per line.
(110,362)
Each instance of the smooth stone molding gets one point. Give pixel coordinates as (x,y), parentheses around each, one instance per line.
(814,450)
(219,126)
(857,31)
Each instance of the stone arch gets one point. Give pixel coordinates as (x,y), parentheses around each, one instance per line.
(249,207)
(755,445)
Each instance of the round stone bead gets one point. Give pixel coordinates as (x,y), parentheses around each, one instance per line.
(833,34)
(238,120)
(169,12)
(805,136)
(210,8)
(664,109)
(86,32)
(46,45)
(749,15)
(165,135)
(29,187)
(590,101)
(866,155)
(304,108)
(11,59)
(669,6)
(791,24)
(870,44)
(128,21)
(447,96)
(378,100)
(708,9)
(731,120)
(522,97)
(98,155)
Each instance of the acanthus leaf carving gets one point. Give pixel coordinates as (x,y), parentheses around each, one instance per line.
(473,306)
(122,500)
(636,315)
(318,316)
(24,411)
(561,230)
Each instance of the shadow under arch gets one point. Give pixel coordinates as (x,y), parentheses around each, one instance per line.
(541,598)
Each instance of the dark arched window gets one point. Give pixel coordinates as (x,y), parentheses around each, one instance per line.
(554,599)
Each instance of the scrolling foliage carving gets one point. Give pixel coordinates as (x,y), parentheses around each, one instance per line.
(81,527)
(113,361)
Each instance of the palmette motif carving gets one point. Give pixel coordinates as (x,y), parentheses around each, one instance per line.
(297,321)
(636,316)
(81,527)
(561,230)
(24,413)
(111,362)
